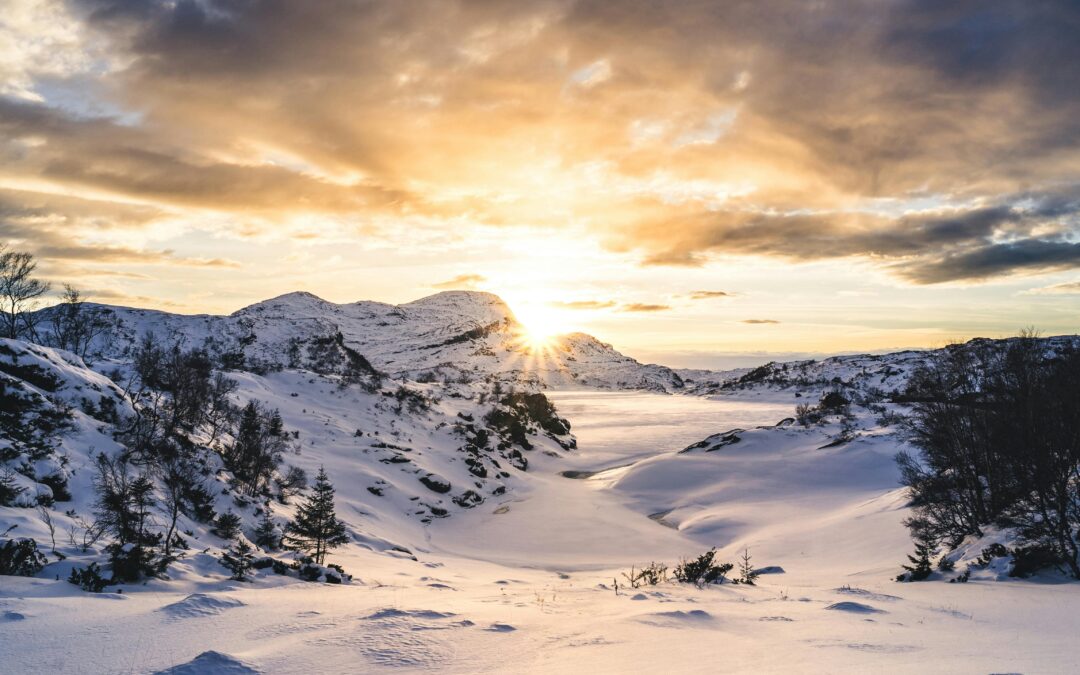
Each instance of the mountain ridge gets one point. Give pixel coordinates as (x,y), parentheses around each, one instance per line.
(447,336)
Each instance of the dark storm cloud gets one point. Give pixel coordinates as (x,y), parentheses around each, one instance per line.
(980,44)
(994,260)
(1028,232)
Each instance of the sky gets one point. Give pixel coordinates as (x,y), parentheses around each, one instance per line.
(699,183)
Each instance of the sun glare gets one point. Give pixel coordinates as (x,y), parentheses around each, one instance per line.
(540,325)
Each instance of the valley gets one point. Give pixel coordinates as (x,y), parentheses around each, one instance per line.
(482,535)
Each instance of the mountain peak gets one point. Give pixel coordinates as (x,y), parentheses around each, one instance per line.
(479,305)
(293,301)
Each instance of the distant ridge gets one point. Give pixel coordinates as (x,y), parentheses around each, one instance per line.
(448,336)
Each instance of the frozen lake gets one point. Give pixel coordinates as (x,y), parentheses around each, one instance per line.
(581,524)
(626,425)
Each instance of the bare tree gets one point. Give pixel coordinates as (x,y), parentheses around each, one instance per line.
(75,326)
(177,476)
(46,518)
(220,413)
(18,292)
(997,429)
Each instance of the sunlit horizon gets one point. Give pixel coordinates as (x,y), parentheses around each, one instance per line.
(686,183)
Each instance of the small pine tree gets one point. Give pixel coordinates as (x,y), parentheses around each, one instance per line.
(266,534)
(316,528)
(89,578)
(747,573)
(702,570)
(227,525)
(239,559)
(920,567)
(9,488)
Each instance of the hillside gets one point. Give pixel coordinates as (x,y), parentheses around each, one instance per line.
(871,377)
(408,455)
(479,532)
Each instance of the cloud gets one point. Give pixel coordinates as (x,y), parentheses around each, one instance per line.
(1023,232)
(937,140)
(1025,255)
(461,281)
(1071,287)
(583,304)
(104,154)
(121,254)
(1067,288)
(643,307)
(50,227)
(759,321)
(708,295)
(125,299)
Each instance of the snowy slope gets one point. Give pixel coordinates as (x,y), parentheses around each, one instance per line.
(535,594)
(474,556)
(451,336)
(400,466)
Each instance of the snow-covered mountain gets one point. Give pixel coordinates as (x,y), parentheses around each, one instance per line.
(454,336)
(872,376)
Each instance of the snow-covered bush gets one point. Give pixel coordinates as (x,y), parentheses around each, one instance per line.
(88,578)
(20,558)
(702,570)
(308,570)
(650,575)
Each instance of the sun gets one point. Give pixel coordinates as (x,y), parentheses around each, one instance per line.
(540,326)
